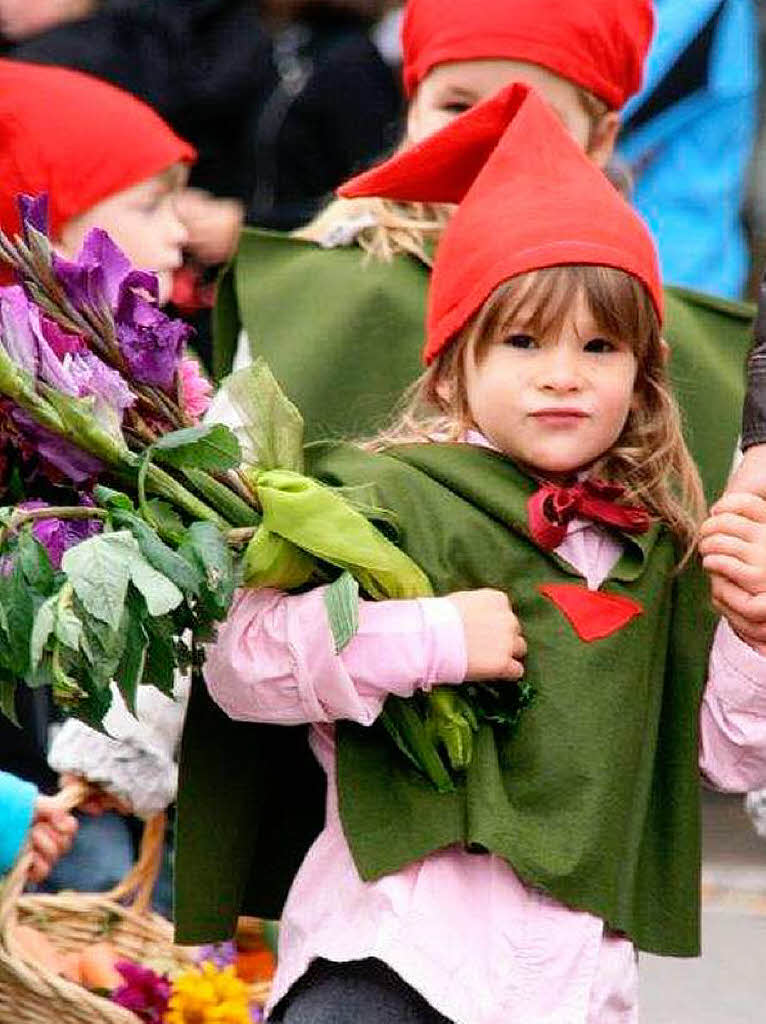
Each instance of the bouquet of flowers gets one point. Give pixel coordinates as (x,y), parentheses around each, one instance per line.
(127,524)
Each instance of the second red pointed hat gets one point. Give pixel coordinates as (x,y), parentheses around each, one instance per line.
(529,198)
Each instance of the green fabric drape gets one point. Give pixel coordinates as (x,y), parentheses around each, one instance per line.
(594,798)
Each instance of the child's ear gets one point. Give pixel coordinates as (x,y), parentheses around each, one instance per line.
(664,352)
(603,138)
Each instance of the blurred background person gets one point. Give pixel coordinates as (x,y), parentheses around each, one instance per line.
(688,138)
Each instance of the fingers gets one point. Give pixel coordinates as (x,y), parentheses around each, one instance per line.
(730,524)
(750,578)
(745,611)
(742,503)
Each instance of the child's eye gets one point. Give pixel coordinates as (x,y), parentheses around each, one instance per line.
(600,345)
(456,107)
(523,341)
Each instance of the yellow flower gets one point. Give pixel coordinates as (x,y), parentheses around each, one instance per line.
(208,995)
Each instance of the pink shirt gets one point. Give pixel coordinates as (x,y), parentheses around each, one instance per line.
(481,946)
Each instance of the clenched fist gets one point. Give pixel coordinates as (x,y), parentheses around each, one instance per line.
(493,637)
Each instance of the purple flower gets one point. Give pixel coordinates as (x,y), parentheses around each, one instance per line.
(107,386)
(18,338)
(34,212)
(220,954)
(72,462)
(151,343)
(100,273)
(145,992)
(58,535)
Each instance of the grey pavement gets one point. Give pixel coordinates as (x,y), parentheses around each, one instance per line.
(727,985)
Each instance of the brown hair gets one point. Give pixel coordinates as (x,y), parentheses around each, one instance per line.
(650,458)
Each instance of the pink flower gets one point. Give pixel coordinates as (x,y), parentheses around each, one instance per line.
(195,389)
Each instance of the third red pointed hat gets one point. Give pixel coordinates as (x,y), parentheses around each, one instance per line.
(529,198)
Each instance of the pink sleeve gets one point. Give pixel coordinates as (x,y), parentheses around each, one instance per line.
(733,715)
(274,660)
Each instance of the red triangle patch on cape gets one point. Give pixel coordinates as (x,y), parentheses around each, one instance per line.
(592,613)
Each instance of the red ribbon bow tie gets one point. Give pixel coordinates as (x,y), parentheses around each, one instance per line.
(552,507)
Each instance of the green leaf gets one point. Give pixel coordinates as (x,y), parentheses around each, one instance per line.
(107,497)
(17,598)
(130,670)
(8,698)
(160,594)
(272,561)
(44,624)
(454,724)
(166,517)
(211,446)
(341,600)
(103,646)
(272,426)
(160,664)
(320,521)
(68,627)
(35,563)
(408,730)
(206,548)
(99,571)
(164,559)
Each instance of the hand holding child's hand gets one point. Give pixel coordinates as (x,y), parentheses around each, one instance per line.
(51,835)
(733,549)
(99,800)
(493,637)
(213,224)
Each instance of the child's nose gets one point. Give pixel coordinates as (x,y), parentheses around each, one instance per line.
(561,370)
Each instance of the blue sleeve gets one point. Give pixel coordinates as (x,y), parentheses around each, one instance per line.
(17,807)
(690,157)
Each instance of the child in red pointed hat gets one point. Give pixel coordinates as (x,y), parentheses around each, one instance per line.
(103,158)
(553,474)
(361,269)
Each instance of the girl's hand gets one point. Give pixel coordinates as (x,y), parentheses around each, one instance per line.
(51,835)
(493,638)
(99,801)
(733,549)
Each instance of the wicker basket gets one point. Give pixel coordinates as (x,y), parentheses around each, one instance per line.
(33,994)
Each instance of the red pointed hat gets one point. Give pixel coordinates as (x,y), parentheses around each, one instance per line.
(599,44)
(77,138)
(529,198)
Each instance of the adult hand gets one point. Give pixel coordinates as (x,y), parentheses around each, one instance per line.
(51,835)
(750,474)
(493,638)
(733,548)
(213,224)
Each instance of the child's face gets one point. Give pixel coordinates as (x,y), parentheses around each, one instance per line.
(144,223)
(22,19)
(450,89)
(554,403)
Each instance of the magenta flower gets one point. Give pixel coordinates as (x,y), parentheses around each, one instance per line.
(196,389)
(58,535)
(145,992)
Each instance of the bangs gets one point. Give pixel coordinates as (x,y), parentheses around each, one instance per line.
(541,300)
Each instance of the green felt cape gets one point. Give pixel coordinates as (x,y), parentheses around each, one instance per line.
(595,796)
(343,335)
